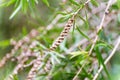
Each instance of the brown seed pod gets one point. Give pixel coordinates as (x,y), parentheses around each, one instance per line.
(18,45)
(63,34)
(34,69)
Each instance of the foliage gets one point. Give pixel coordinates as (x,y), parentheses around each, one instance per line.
(71,39)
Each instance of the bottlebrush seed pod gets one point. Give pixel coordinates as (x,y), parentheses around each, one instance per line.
(34,69)
(63,34)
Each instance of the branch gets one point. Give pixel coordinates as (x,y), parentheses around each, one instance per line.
(100,26)
(75,77)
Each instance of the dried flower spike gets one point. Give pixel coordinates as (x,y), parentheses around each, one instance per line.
(63,34)
(34,69)
(18,45)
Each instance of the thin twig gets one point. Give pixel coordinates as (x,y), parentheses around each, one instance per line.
(75,77)
(101,25)
(108,59)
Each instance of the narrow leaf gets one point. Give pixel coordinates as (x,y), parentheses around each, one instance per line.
(100,59)
(16,11)
(24,5)
(11,2)
(84,35)
(119,18)
(118,3)
(46,2)
(7,3)
(95,3)
(103,44)
(15,77)
(36,1)
(74,2)
(78,53)
(4,43)
(86,22)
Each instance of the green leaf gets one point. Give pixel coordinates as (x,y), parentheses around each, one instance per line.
(74,2)
(32,3)
(115,7)
(17,3)
(65,17)
(100,59)
(4,43)
(78,53)
(3,4)
(55,57)
(40,46)
(15,77)
(85,21)
(7,3)
(24,31)
(118,3)
(36,1)
(79,57)
(103,44)
(24,5)
(11,2)
(46,2)
(95,3)
(59,55)
(62,13)
(84,35)
(118,18)
(15,11)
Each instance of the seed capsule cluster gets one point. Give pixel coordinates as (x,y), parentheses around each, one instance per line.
(63,34)
(34,69)
(18,45)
